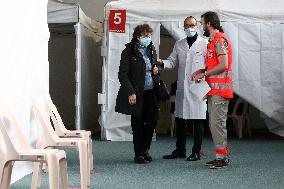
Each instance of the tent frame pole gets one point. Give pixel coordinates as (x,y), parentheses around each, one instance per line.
(78,78)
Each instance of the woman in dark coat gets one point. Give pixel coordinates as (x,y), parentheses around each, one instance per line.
(136,96)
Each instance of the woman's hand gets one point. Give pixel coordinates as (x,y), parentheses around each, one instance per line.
(132,99)
(155,70)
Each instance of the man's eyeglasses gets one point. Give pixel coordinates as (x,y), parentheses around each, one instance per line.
(189,26)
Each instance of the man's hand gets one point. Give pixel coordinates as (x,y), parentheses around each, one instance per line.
(196,75)
(132,99)
(159,61)
(155,70)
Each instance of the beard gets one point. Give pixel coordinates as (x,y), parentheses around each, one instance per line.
(206,32)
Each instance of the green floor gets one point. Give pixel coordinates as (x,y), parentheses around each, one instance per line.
(255,163)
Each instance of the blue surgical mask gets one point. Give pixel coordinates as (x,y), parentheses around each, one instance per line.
(201,29)
(145,41)
(190,32)
(203,33)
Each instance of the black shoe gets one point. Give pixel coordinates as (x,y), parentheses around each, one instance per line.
(210,163)
(219,164)
(193,157)
(176,154)
(147,156)
(139,160)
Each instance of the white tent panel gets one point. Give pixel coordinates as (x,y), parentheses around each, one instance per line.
(175,28)
(258,70)
(70,17)
(257,37)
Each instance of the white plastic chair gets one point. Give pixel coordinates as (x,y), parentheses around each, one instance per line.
(240,120)
(51,140)
(9,153)
(62,132)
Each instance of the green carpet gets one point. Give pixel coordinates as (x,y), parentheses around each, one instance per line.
(255,163)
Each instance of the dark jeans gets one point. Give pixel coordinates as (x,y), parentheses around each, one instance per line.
(198,127)
(143,126)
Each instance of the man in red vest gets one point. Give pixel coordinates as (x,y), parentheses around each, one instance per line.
(218,75)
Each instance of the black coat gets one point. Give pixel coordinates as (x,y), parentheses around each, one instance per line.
(131,76)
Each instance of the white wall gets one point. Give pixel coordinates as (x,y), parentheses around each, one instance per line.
(23,63)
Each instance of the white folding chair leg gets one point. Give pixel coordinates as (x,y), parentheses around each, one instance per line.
(43,165)
(53,171)
(88,138)
(91,157)
(84,167)
(2,178)
(63,174)
(10,170)
(3,184)
(7,175)
(36,179)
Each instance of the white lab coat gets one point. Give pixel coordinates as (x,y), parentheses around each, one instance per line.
(188,105)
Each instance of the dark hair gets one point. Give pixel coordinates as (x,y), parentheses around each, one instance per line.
(140,29)
(214,20)
(190,17)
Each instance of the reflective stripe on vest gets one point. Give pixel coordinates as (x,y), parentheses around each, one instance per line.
(221,84)
(222,81)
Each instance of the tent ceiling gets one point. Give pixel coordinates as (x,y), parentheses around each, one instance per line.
(61,12)
(58,12)
(167,10)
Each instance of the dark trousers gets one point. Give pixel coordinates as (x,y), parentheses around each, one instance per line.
(143,126)
(198,128)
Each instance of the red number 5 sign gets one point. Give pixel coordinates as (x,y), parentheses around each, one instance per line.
(117,21)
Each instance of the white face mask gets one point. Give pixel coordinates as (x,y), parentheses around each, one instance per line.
(190,32)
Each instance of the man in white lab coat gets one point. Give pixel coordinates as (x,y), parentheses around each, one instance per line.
(189,55)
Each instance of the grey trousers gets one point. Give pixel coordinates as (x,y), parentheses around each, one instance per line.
(218,109)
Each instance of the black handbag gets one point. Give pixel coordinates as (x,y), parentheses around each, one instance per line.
(162,91)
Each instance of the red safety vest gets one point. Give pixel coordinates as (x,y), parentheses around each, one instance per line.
(221,84)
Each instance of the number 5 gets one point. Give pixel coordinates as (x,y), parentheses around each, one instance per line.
(117,18)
